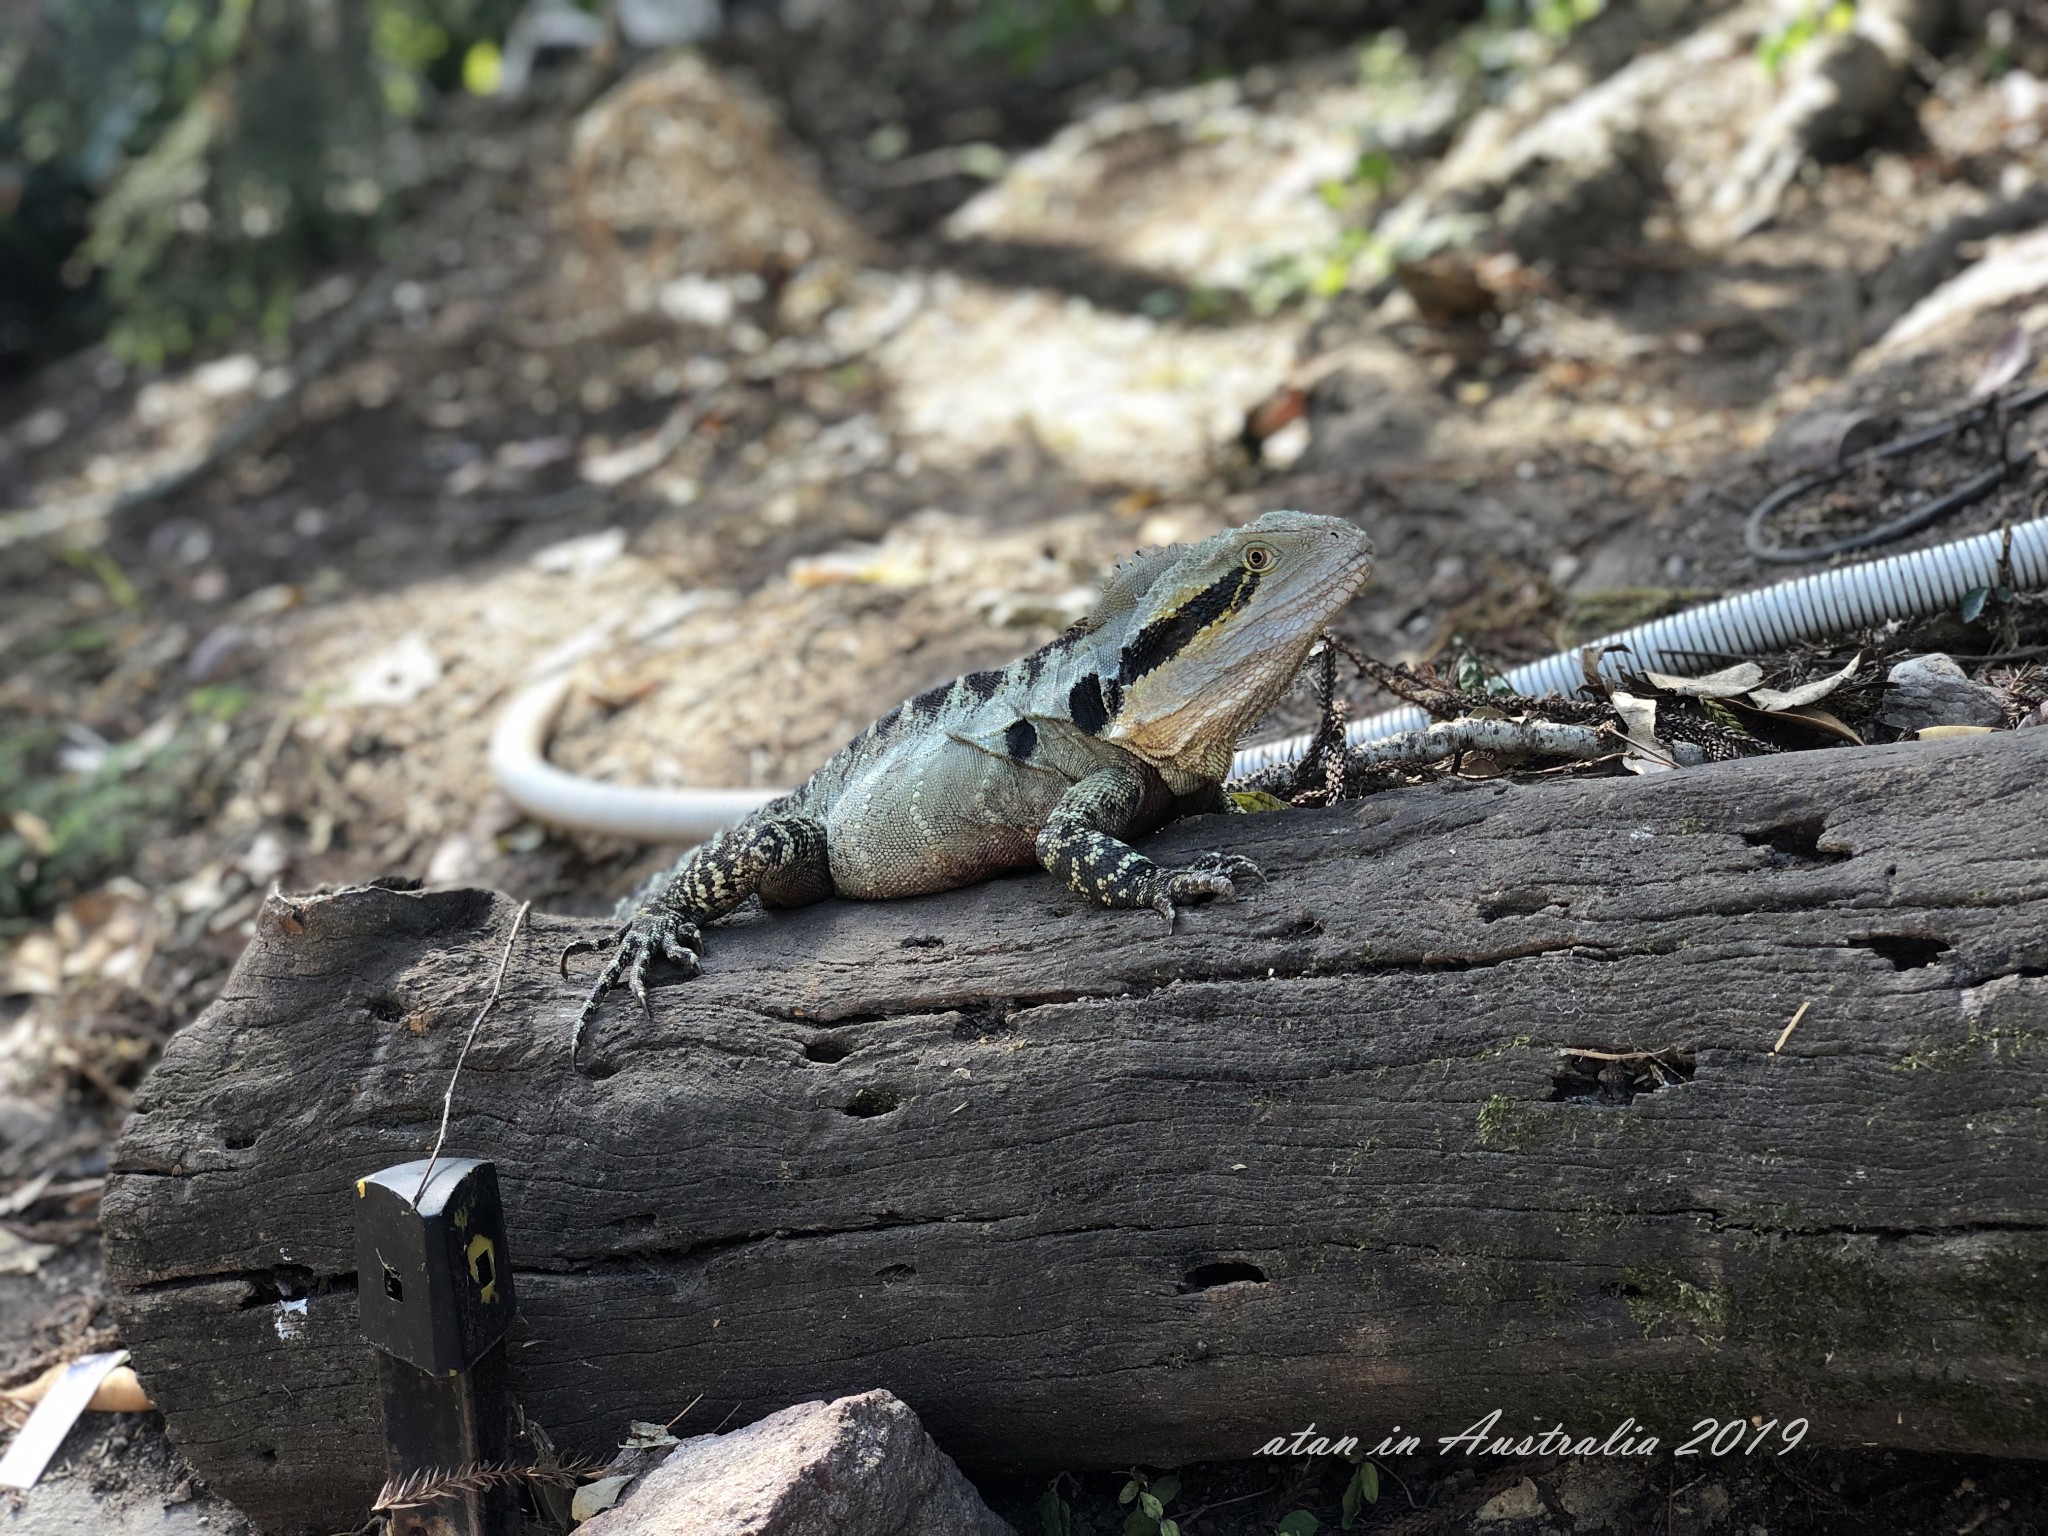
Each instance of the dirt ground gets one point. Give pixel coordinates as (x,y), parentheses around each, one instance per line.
(765,400)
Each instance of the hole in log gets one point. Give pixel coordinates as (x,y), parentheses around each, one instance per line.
(386,1008)
(826,1049)
(870,1102)
(1523,903)
(896,1274)
(1612,1078)
(1795,844)
(1906,951)
(1206,1277)
(287,1282)
(237,1141)
(980,1021)
(1618,1290)
(923,941)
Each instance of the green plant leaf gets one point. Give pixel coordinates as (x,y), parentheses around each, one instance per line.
(1055,1518)
(1149,1502)
(1130,1492)
(1363,1489)
(1973,603)
(1298,1522)
(1138,1523)
(1166,1487)
(1169,1528)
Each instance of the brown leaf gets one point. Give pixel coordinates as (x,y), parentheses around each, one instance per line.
(1810,716)
(1446,288)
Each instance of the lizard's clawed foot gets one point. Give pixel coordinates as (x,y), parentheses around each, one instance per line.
(1212,874)
(649,934)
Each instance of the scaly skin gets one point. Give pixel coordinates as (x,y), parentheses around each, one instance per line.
(1124,723)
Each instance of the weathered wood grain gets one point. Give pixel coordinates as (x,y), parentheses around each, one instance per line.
(1083,1193)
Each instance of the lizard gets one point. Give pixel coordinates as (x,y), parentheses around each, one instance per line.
(1122,724)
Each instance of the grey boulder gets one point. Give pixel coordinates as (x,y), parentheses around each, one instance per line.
(1933,690)
(860,1466)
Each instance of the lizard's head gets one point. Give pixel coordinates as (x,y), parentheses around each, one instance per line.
(1222,632)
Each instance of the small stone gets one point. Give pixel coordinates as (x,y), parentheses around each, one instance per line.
(1932,690)
(1521,1502)
(861,1466)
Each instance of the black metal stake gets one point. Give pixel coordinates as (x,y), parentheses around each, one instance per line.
(434,1289)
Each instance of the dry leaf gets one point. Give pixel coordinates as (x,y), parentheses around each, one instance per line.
(119,1392)
(595,1498)
(1805,693)
(1810,716)
(1942,732)
(2004,365)
(1728,683)
(1645,753)
(19,1256)
(1813,714)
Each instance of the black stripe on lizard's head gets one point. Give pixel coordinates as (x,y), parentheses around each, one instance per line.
(1168,635)
(1221,632)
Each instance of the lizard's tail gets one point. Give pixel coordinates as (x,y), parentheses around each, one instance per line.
(519,763)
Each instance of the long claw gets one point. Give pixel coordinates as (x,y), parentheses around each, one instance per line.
(1164,903)
(678,952)
(586,947)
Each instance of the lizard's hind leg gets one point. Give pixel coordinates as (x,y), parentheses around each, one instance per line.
(781,859)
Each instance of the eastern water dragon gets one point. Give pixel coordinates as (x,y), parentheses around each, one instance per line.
(1124,723)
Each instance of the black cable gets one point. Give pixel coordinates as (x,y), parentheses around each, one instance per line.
(1973,490)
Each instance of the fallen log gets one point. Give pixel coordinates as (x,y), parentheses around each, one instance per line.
(1488,1101)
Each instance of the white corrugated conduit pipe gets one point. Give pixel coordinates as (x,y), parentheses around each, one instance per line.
(1917,585)
(1910,586)
(519,745)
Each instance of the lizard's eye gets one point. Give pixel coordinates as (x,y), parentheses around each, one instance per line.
(1259,557)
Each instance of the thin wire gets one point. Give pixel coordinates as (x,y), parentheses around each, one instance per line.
(2001,409)
(448,1099)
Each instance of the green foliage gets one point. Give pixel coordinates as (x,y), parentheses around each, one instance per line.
(1151,1496)
(1553,19)
(1775,49)
(1363,1489)
(1055,1515)
(60,833)
(1297,1522)
(219,147)
(1978,600)
(1023,33)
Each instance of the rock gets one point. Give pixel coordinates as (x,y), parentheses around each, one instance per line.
(1594,1493)
(1933,690)
(1521,1502)
(861,1466)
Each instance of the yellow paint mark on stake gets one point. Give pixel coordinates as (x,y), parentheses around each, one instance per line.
(1786,1034)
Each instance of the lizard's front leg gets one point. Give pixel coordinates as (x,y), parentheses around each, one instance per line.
(1081,844)
(781,859)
